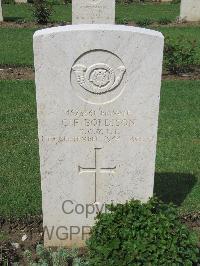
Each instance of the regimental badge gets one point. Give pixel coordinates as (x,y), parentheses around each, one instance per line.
(98,78)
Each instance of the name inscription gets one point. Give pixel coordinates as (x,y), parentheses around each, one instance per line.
(95,11)
(93,125)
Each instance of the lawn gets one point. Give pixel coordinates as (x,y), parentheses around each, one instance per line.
(17,45)
(137,12)
(19,159)
(178,150)
(177,169)
(131,12)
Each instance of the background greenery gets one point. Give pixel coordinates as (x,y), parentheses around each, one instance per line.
(19,168)
(131,12)
(18,51)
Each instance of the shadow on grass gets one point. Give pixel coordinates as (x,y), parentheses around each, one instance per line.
(173,187)
(13,19)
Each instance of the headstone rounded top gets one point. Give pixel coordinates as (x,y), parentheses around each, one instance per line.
(97,27)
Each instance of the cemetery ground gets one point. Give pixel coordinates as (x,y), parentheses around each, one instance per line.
(177,177)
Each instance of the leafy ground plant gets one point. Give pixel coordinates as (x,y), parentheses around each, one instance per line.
(144,22)
(42,11)
(141,234)
(164,21)
(180,55)
(131,12)
(48,257)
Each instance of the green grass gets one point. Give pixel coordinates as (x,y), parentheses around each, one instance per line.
(132,12)
(20,12)
(16,47)
(177,169)
(17,44)
(4,236)
(19,159)
(24,12)
(178,150)
(137,12)
(184,33)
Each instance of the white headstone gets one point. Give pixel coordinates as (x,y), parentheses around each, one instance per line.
(1,15)
(190,10)
(93,11)
(98,89)
(162,1)
(21,1)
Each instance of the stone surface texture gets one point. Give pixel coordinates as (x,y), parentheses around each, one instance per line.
(21,1)
(1,14)
(98,91)
(93,11)
(190,10)
(162,1)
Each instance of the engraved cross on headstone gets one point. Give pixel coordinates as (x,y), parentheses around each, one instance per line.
(97,170)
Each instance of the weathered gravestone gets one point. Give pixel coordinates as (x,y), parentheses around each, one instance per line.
(190,10)
(98,89)
(162,1)
(93,11)
(1,15)
(21,1)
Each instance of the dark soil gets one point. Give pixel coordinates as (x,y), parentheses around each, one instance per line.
(191,219)
(193,75)
(32,24)
(27,73)
(18,235)
(16,73)
(12,246)
(155,24)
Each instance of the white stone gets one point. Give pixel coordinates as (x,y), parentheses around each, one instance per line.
(21,1)
(190,10)
(93,11)
(98,90)
(15,245)
(162,1)
(24,237)
(1,15)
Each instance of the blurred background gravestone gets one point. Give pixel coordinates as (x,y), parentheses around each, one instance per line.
(1,14)
(93,11)
(190,10)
